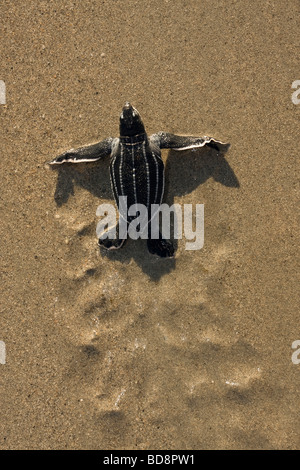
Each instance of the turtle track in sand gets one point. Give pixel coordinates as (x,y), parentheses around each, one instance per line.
(152,353)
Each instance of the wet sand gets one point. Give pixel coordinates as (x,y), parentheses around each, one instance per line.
(125,350)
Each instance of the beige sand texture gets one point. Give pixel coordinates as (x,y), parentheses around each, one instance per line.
(125,350)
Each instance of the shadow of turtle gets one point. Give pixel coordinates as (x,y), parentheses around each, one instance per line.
(93,177)
(185,171)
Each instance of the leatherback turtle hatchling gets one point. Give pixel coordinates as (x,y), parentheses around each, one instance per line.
(136,168)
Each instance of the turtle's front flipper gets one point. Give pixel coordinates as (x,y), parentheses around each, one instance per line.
(178,142)
(89,153)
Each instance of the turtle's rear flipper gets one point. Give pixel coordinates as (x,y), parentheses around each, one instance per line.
(111,244)
(112,240)
(163,248)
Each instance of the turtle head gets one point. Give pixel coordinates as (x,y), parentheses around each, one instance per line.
(131,123)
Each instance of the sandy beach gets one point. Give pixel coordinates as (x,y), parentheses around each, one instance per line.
(125,350)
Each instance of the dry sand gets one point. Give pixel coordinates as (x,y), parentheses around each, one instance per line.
(127,351)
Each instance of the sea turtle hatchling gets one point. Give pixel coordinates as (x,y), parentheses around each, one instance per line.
(136,169)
